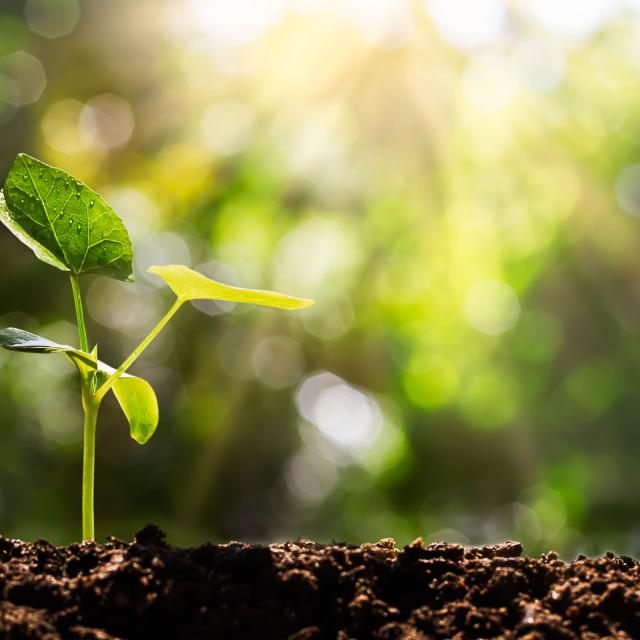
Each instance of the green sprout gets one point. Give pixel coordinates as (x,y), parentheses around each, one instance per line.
(70,227)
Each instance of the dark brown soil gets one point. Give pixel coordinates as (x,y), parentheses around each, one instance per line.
(303,590)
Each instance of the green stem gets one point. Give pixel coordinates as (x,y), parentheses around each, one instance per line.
(90,406)
(77,299)
(88,466)
(102,391)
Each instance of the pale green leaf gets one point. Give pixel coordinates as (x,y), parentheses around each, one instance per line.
(191,285)
(64,222)
(137,400)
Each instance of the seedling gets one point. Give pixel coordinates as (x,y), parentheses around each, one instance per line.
(69,226)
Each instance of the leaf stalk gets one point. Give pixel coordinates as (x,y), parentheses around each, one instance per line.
(77,299)
(113,378)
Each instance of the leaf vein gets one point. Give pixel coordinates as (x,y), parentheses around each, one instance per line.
(44,207)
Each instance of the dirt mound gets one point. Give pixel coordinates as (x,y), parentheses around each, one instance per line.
(304,590)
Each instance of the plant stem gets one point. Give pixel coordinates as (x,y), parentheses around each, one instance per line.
(102,391)
(88,466)
(77,299)
(90,406)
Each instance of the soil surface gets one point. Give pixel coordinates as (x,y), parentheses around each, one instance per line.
(308,591)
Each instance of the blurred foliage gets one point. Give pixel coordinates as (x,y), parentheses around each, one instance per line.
(458,190)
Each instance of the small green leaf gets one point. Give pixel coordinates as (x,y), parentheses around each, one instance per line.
(64,222)
(19,340)
(135,395)
(137,400)
(191,285)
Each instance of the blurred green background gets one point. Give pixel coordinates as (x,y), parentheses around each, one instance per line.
(455,181)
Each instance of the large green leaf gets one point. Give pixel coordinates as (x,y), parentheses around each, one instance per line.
(191,285)
(42,253)
(64,222)
(137,400)
(135,395)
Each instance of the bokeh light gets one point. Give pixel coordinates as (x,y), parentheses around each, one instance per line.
(492,307)
(107,121)
(469,24)
(627,189)
(52,18)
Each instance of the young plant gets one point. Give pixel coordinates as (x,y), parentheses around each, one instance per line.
(69,226)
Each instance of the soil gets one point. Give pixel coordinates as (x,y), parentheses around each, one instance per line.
(308,591)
